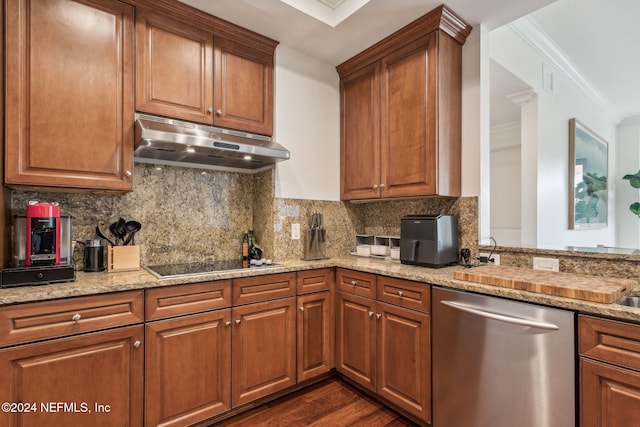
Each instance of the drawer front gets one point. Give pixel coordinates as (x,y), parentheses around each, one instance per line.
(263,288)
(404,293)
(610,341)
(315,280)
(40,320)
(355,282)
(187,299)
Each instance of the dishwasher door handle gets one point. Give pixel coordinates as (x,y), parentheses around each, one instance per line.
(500,317)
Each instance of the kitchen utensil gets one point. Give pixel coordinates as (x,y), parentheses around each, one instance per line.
(118,231)
(102,236)
(131,228)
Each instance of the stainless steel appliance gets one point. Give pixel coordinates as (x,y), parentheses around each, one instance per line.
(501,363)
(429,240)
(94,259)
(172,142)
(35,245)
(164,271)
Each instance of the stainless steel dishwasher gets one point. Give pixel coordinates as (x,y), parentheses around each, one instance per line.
(501,363)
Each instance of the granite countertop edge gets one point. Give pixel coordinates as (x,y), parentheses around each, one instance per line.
(101,283)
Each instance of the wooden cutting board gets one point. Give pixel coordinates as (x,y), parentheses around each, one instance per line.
(579,286)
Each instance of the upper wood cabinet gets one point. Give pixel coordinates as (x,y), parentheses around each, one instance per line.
(400,108)
(174,68)
(190,73)
(69,94)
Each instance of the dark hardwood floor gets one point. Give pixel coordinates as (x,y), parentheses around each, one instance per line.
(330,403)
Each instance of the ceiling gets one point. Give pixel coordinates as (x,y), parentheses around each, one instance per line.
(599,37)
(358,23)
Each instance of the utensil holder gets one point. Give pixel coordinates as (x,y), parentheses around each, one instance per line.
(123,258)
(315,247)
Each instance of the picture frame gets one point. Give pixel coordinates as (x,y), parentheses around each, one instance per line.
(588,175)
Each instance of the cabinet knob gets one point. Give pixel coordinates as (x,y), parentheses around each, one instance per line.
(375,186)
(76,317)
(301,308)
(371,314)
(128,174)
(238,322)
(354,283)
(218,113)
(378,316)
(381,186)
(227,324)
(400,293)
(210,110)
(137,344)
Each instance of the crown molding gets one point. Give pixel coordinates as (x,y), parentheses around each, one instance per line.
(530,32)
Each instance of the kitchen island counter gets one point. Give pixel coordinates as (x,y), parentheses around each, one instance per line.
(100,283)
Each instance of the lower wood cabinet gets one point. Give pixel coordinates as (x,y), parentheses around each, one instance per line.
(188,368)
(92,379)
(314,335)
(609,372)
(263,348)
(385,347)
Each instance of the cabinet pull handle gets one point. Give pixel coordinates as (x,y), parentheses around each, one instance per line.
(76,317)
(137,344)
(128,174)
(238,322)
(218,113)
(381,186)
(400,293)
(371,314)
(354,283)
(378,316)
(301,308)
(210,110)
(375,186)
(227,324)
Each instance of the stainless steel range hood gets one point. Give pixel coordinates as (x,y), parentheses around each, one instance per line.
(171,142)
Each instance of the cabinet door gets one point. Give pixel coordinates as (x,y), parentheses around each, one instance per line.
(69,94)
(243,88)
(90,380)
(314,335)
(174,70)
(263,349)
(609,396)
(188,368)
(404,359)
(408,130)
(360,134)
(356,338)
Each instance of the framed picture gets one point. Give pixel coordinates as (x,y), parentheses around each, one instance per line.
(588,160)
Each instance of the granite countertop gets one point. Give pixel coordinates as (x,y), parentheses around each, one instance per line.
(98,283)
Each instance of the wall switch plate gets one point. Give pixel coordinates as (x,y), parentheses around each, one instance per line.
(495,257)
(547,264)
(295,231)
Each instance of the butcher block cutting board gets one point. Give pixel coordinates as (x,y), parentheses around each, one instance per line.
(569,285)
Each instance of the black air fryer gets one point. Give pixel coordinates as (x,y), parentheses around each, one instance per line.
(429,240)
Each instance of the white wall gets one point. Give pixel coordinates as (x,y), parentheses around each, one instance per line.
(628,225)
(307,122)
(554,111)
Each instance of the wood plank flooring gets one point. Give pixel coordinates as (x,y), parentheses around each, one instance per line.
(329,403)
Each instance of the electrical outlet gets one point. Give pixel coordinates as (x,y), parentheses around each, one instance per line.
(295,231)
(495,257)
(547,264)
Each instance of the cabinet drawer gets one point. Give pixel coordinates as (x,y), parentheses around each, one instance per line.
(187,299)
(404,293)
(315,280)
(263,288)
(610,341)
(355,282)
(47,319)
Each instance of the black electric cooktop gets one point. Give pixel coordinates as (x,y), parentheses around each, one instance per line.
(195,268)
